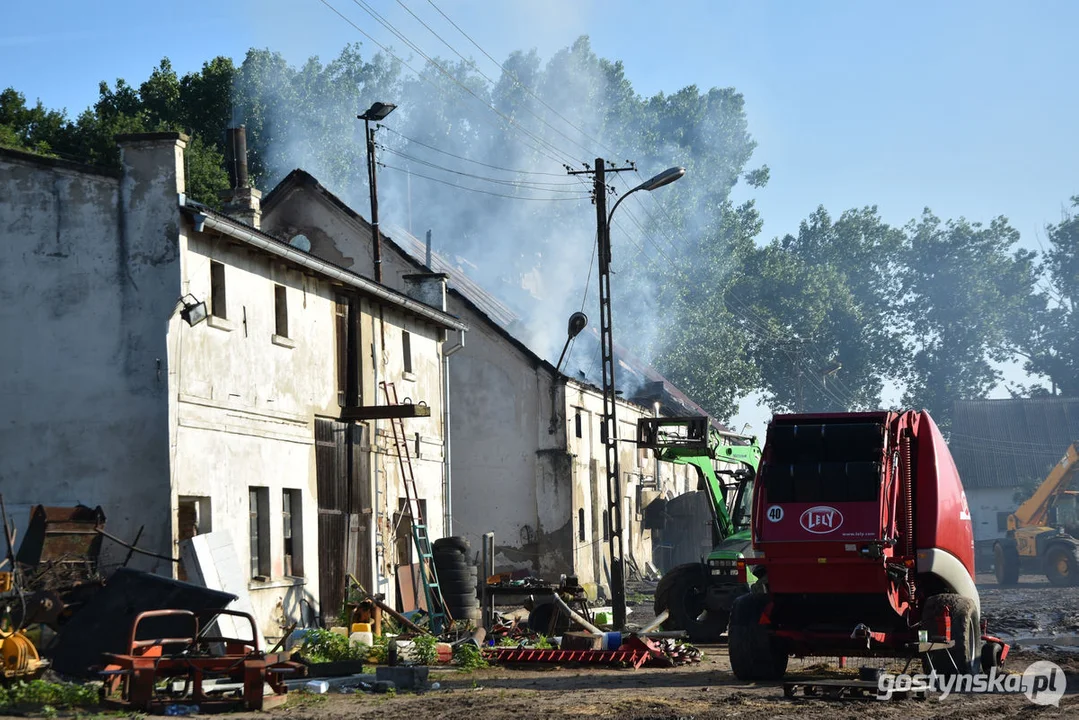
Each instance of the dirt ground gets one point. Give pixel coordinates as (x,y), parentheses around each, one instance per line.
(1043,620)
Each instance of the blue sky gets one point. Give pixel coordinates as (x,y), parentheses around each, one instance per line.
(965,107)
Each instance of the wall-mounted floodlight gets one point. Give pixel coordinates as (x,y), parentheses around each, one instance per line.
(194,310)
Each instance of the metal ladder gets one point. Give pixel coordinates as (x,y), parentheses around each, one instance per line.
(432,591)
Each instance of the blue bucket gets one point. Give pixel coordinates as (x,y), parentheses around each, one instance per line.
(612,640)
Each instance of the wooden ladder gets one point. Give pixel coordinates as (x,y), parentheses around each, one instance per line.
(432,591)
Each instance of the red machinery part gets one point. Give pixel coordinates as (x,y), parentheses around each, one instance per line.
(135,675)
(636,658)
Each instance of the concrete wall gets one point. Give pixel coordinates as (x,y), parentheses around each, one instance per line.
(89,277)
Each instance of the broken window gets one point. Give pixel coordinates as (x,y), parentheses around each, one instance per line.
(217,290)
(192,518)
(406,350)
(292,517)
(577,424)
(259,516)
(280,311)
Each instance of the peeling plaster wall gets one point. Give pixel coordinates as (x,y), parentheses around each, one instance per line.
(89,276)
(245,402)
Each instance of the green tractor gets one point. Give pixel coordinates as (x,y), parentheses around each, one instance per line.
(698,597)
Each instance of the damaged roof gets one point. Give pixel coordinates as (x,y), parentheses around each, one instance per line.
(1009,442)
(249,235)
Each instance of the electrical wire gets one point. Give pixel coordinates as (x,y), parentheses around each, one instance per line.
(461,157)
(488,78)
(416,72)
(477,190)
(519,184)
(389,26)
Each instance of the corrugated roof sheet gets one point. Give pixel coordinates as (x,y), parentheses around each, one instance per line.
(1006,443)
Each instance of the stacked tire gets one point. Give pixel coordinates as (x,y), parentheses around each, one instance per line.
(458,577)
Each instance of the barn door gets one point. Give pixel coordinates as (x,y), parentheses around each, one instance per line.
(342,462)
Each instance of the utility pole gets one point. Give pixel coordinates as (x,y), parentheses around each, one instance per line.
(375,113)
(610,426)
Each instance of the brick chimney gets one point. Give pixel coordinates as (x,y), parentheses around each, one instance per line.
(240,201)
(428,288)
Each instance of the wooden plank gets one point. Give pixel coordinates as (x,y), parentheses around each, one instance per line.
(385,412)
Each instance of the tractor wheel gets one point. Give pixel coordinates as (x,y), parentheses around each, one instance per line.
(685,599)
(1062,564)
(661,601)
(959,659)
(754,652)
(1006,563)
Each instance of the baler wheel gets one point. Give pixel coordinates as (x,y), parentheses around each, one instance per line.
(1006,563)
(1062,564)
(960,658)
(754,652)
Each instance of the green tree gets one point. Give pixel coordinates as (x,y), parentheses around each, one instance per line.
(966,288)
(1052,349)
(818,313)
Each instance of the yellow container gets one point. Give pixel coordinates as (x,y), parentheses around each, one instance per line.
(361,627)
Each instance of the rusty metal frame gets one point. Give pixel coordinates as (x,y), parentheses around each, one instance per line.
(134,675)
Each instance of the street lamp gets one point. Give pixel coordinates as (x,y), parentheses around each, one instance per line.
(610,426)
(376,112)
(577,322)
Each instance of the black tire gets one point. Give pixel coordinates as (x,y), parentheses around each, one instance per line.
(474,614)
(965,634)
(661,600)
(1062,564)
(755,654)
(455,577)
(686,603)
(539,620)
(450,557)
(1006,562)
(456,542)
(992,652)
(461,600)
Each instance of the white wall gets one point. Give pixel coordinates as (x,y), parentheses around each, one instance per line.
(245,402)
(84,303)
(985,504)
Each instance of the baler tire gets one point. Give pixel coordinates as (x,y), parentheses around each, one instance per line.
(1062,564)
(755,654)
(1006,563)
(662,598)
(965,634)
(686,602)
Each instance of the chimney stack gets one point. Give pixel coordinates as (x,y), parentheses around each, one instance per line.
(240,201)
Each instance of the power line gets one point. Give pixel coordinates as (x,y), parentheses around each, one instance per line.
(485,192)
(389,26)
(517,80)
(416,72)
(487,78)
(550,187)
(461,157)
